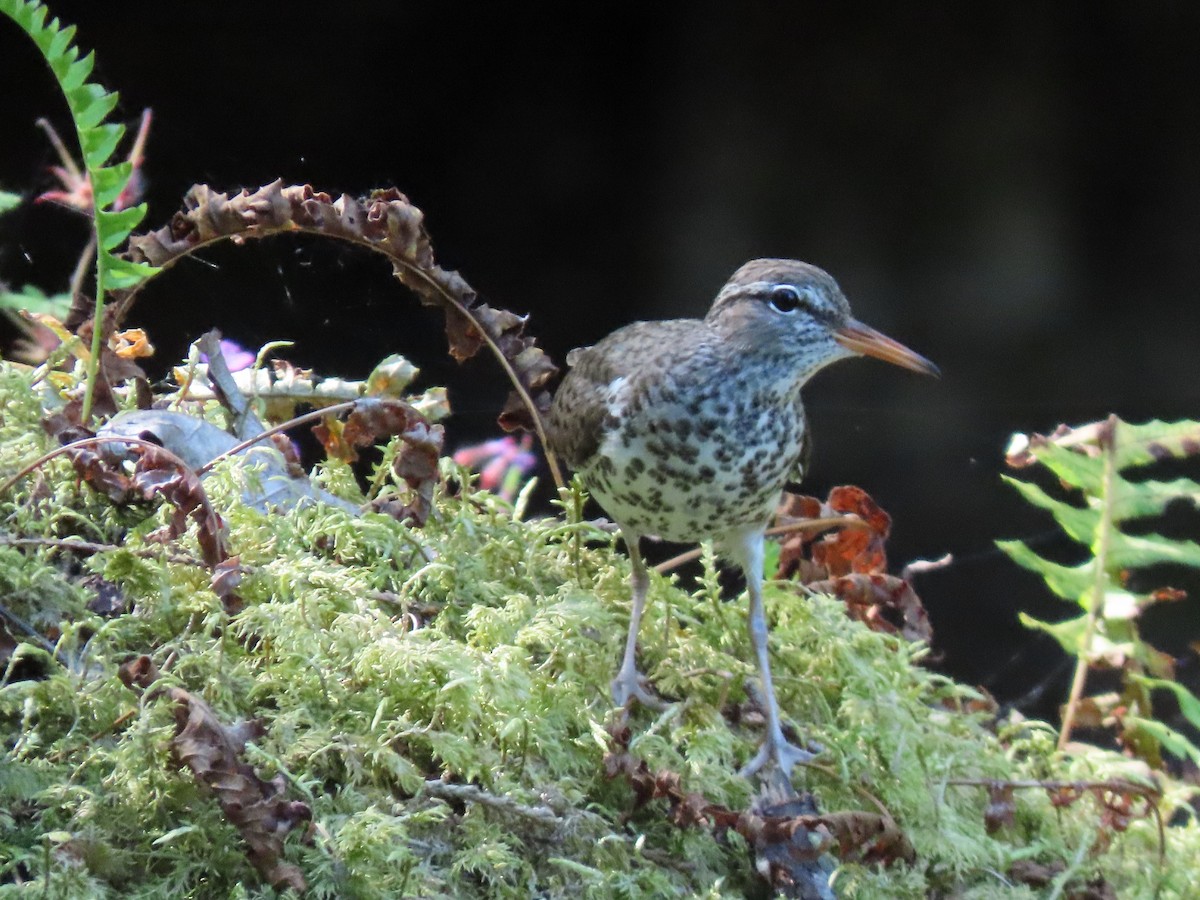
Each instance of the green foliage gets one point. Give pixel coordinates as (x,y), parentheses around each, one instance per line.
(89,105)
(35,300)
(9,201)
(439,698)
(1094,462)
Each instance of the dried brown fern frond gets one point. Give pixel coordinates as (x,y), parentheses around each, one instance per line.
(385,222)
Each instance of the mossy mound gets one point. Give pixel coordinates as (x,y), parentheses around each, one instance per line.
(438,699)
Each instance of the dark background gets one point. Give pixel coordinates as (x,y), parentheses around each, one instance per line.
(1013,190)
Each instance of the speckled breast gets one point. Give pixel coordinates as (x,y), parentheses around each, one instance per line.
(688,472)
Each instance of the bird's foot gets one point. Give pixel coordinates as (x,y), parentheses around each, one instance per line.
(632,685)
(780,751)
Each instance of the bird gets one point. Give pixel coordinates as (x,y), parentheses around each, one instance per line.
(688,430)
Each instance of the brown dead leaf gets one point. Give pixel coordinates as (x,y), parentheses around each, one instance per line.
(1035,874)
(881,602)
(374,419)
(258,809)
(840,551)
(156,473)
(113,369)
(849,561)
(226,577)
(139,672)
(131,344)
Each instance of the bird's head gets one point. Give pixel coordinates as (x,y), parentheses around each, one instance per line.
(796,313)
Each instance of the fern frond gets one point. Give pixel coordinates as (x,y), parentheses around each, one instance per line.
(90,105)
(1092,461)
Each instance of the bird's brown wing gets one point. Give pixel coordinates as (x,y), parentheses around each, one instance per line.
(576,423)
(603,378)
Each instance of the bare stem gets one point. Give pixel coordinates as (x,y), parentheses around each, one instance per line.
(284,426)
(848,521)
(1107,439)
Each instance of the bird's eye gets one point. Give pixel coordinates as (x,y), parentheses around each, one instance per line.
(786,299)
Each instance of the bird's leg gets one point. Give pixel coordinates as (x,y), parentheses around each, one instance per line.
(776,747)
(630,683)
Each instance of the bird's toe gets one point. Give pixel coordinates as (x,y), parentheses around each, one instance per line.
(634,686)
(784,754)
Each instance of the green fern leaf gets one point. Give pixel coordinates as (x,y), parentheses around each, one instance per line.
(1069,582)
(1092,459)
(1129,552)
(1140,445)
(1166,736)
(121,273)
(1137,500)
(99,143)
(1079,470)
(1189,703)
(90,104)
(1077,522)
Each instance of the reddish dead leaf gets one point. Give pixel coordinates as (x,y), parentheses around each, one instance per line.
(385,222)
(257,808)
(854,549)
(1064,794)
(841,551)
(155,474)
(849,562)
(331,433)
(226,577)
(1167,593)
(882,602)
(793,551)
(415,463)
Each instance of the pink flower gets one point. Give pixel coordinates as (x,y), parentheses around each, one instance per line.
(77,188)
(502,463)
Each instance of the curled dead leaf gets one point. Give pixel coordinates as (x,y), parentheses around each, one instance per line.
(257,808)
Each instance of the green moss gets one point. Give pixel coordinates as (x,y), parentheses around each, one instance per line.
(391,667)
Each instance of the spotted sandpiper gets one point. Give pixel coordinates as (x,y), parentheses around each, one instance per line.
(688,429)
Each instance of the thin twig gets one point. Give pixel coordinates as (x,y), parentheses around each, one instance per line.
(45,644)
(469,793)
(60,148)
(847,521)
(86,258)
(92,547)
(534,415)
(290,423)
(1117,786)
(1107,439)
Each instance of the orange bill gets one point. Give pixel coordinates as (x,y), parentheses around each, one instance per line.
(860,338)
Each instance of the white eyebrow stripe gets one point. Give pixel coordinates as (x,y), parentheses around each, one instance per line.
(749,287)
